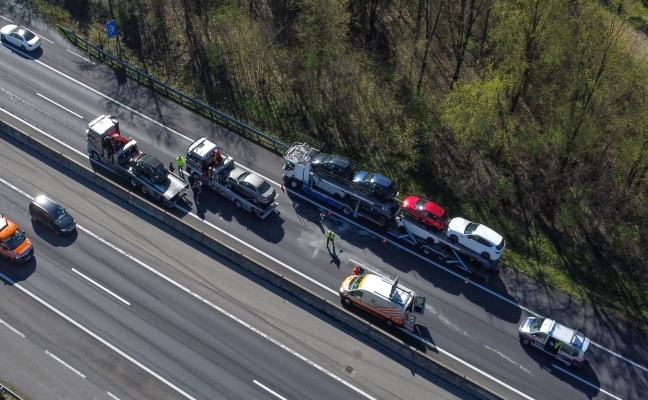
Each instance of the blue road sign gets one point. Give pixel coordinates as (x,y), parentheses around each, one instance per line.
(111,28)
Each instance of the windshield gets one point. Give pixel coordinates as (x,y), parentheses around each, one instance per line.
(536,324)
(28,35)
(58,214)
(15,240)
(353,285)
(471,228)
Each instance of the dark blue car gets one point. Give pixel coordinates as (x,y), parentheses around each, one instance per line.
(376,184)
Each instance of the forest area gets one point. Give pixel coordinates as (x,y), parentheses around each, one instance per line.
(530,116)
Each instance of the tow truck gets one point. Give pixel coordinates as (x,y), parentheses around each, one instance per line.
(205,163)
(341,194)
(145,172)
(437,244)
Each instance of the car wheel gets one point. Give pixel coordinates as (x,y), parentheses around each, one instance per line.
(95,156)
(144,190)
(238,203)
(58,232)
(526,341)
(485,256)
(347,210)
(294,183)
(2,38)
(133,182)
(22,47)
(453,238)
(389,323)
(347,301)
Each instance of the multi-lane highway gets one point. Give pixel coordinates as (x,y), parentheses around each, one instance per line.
(468,325)
(143,313)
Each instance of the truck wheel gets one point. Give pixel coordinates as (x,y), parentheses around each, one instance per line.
(144,190)
(453,238)
(238,203)
(389,323)
(485,256)
(294,183)
(347,301)
(526,341)
(133,182)
(347,210)
(382,221)
(95,156)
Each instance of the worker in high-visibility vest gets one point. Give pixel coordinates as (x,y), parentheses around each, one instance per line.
(181,162)
(330,238)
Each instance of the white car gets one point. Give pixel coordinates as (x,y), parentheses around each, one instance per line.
(477,237)
(20,37)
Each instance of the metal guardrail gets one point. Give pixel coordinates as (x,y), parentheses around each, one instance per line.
(6,394)
(174,94)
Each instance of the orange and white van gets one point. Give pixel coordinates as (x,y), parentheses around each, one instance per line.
(14,245)
(383,297)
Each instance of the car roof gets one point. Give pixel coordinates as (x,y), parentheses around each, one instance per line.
(46,203)
(488,234)
(254,180)
(151,160)
(375,177)
(331,158)
(430,206)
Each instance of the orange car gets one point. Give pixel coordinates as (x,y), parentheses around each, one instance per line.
(14,245)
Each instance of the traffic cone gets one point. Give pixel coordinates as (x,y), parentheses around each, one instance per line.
(466,281)
(384,240)
(330,212)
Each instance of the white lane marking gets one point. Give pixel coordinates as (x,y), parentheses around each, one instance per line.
(259,251)
(80,56)
(269,390)
(44,133)
(112,395)
(65,364)
(464,278)
(296,271)
(98,93)
(585,382)
(57,104)
(41,36)
(100,286)
(509,387)
(6,19)
(188,291)
(522,367)
(14,330)
(94,335)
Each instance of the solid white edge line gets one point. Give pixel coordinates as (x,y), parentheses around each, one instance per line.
(98,93)
(112,395)
(6,19)
(94,335)
(190,292)
(269,390)
(80,56)
(11,328)
(100,286)
(65,364)
(309,200)
(58,105)
(585,382)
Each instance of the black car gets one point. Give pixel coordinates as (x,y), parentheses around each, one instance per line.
(334,165)
(151,166)
(49,213)
(375,184)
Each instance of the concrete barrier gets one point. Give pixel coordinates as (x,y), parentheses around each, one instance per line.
(331,309)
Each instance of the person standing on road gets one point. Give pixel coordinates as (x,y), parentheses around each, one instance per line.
(330,238)
(181,162)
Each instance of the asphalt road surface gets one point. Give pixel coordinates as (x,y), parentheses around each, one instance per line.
(471,326)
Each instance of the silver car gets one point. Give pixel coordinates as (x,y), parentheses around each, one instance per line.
(251,186)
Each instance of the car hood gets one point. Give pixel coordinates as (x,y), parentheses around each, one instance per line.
(8,28)
(410,202)
(458,224)
(66,222)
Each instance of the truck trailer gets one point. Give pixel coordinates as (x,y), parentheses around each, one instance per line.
(145,172)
